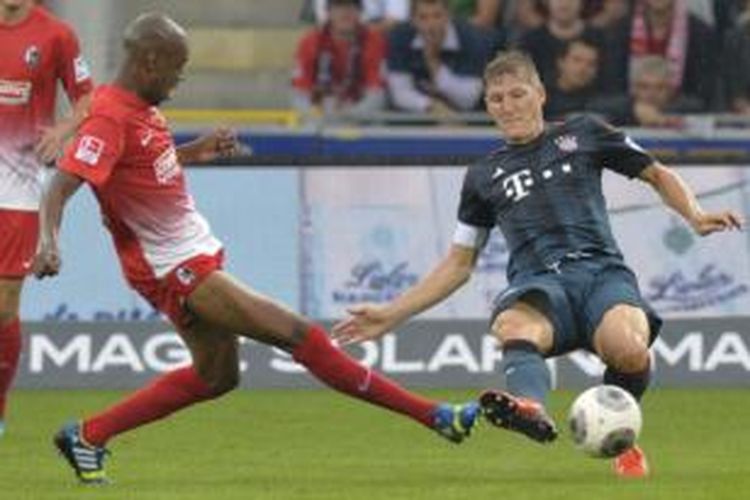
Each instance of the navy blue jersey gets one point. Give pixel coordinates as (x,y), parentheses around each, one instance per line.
(546,196)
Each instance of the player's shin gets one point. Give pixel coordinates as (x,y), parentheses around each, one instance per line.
(526,373)
(166,394)
(635,383)
(338,370)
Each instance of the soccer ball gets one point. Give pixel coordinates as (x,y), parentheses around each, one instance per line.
(604,421)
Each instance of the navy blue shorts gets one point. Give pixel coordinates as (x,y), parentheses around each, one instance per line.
(576,298)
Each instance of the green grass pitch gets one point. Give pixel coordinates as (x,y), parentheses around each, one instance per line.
(319,445)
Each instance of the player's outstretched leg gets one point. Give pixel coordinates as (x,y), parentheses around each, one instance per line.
(222,300)
(521,408)
(339,371)
(87,460)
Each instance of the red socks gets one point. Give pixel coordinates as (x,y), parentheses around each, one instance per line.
(181,388)
(165,395)
(10,350)
(338,370)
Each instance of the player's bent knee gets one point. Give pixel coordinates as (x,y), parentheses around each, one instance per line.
(630,357)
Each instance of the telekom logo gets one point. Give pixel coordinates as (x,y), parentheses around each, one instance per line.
(517,186)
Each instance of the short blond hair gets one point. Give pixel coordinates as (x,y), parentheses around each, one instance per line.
(512,62)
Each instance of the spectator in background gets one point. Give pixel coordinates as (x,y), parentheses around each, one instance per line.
(608,13)
(380,14)
(654,100)
(574,87)
(564,23)
(512,17)
(736,64)
(339,65)
(666,28)
(435,63)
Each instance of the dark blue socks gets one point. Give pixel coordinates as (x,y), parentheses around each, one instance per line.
(526,373)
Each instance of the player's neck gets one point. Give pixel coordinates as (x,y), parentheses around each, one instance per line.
(528,139)
(127,80)
(13,18)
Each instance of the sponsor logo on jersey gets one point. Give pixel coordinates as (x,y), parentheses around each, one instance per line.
(89,150)
(32,57)
(81,69)
(185,275)
(166,166)
(14,93)
(567,143)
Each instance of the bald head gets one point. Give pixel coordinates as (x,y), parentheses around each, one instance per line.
(156,52)
(154,31)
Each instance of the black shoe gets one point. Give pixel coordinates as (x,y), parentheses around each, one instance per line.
(518,414)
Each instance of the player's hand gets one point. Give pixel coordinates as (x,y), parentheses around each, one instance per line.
(365,322)
(47,262)
(50,144)
(221,143)
(707,223)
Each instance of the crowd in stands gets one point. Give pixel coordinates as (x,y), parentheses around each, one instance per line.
(636,62)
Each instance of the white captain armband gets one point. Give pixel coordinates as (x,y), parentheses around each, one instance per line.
(470,236)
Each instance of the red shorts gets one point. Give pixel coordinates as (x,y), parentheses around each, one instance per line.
(19,231)
(169,293)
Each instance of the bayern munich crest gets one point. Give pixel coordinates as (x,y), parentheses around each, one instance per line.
(567,143)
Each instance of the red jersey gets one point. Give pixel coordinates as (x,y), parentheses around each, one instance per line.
(125,151)
(326,65)
(34,55)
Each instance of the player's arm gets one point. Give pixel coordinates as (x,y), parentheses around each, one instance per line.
(62,186)
(72,69)
(221,143)
(53,138)
(370,321)
(677,195)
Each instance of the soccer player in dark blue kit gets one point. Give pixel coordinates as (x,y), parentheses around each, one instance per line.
(569,287)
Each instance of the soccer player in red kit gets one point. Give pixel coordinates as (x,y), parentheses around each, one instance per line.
(36,52)
(125,152)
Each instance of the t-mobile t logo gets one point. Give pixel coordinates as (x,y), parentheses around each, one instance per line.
(517,185)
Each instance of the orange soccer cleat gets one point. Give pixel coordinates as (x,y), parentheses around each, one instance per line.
(631,463)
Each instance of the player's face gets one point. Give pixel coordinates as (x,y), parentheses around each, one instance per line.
(515,103)
(166,74)
(15,10)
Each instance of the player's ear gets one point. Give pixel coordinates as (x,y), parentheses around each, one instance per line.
(542,94)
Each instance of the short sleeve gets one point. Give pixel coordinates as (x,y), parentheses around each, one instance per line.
(95,151)
(473,210)
(73,69)
(616,151)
